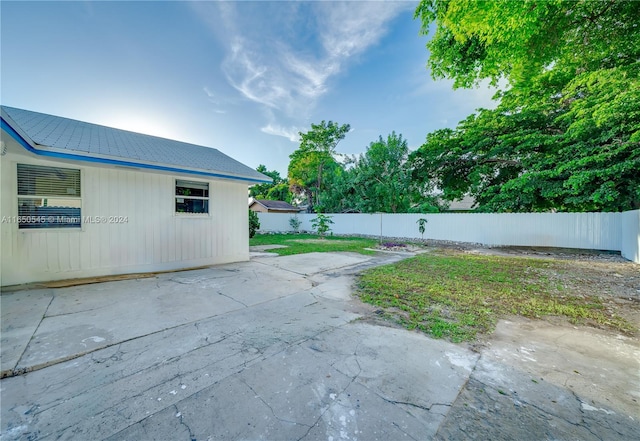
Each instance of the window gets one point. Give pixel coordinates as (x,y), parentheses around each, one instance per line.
(48,197)
(192,197)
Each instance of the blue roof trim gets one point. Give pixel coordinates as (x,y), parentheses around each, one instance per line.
(7,127)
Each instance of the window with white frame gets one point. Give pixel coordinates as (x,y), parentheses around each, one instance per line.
(192,197)
(48,197)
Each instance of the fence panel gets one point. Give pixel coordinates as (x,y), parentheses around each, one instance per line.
(630,240)
(600,231)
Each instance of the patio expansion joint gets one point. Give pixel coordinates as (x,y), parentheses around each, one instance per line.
(15,371)
(231,298)
(283,269)
(72,312)
(44,315)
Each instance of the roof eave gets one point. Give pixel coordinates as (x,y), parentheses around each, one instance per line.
(46,151)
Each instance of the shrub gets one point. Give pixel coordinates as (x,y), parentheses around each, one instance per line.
(254,223)
(321,224)
(295,223)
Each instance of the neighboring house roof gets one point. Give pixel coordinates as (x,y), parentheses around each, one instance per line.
(465,204)
(54,136)
(275,205)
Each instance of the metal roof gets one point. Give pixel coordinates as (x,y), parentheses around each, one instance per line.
(48,133)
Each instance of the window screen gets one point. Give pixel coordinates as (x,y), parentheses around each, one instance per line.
(48,197)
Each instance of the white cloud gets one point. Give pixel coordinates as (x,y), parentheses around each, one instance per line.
(292,133)
(213,99)
(287,66)
(210,94)
(351,28)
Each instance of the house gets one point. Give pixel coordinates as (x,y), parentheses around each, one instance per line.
(84,200)
(266,206)
(465,204)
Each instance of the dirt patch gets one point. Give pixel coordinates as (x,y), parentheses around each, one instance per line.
(316,241)
(607,276)
(588,273)
(401,247)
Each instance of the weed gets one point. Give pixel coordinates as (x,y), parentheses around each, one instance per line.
(458,296)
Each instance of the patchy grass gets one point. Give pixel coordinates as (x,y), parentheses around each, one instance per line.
(311,243)
(457,296)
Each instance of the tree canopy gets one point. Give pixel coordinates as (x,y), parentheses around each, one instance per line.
(520,40)
(278,190)
(381,179)
(314,159)
(566,133)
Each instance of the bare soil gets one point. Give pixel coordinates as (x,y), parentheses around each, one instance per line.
(603,274)
(608,276)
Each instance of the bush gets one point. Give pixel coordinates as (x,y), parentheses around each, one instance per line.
(295,223)
(321,224)
(254,223)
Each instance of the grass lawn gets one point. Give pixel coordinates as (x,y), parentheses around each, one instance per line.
(457,296)
(311,243)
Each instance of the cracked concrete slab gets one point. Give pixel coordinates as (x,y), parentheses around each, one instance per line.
(504,403)
(80,319)
(261,352)
(558,382)
(314,263)
(344,383)
(21,316)
(564,356)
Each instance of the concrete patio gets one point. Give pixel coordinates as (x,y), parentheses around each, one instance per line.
(275,349)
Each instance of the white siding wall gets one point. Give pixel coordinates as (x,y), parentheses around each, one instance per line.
(600,231)
(153,239)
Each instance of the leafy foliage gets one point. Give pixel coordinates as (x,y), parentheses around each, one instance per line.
(377,181)
(278,190)
(254,223)
(314,159)
(294,223)
(381,179)
(566,135)
(519,41)
(422,224)
(321,223)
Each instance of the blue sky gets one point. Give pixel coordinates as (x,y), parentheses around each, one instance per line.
(243,77)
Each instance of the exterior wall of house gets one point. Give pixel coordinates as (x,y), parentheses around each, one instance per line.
(258,208)
(145,233)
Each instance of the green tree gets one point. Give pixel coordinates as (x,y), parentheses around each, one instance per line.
(278,190)
(339,194)
(254,223)
(522,40)
(382,179)
(377,181)
(321,224)
(566,134)
(314,159)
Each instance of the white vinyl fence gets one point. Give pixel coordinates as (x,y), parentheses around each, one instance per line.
(598,231)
